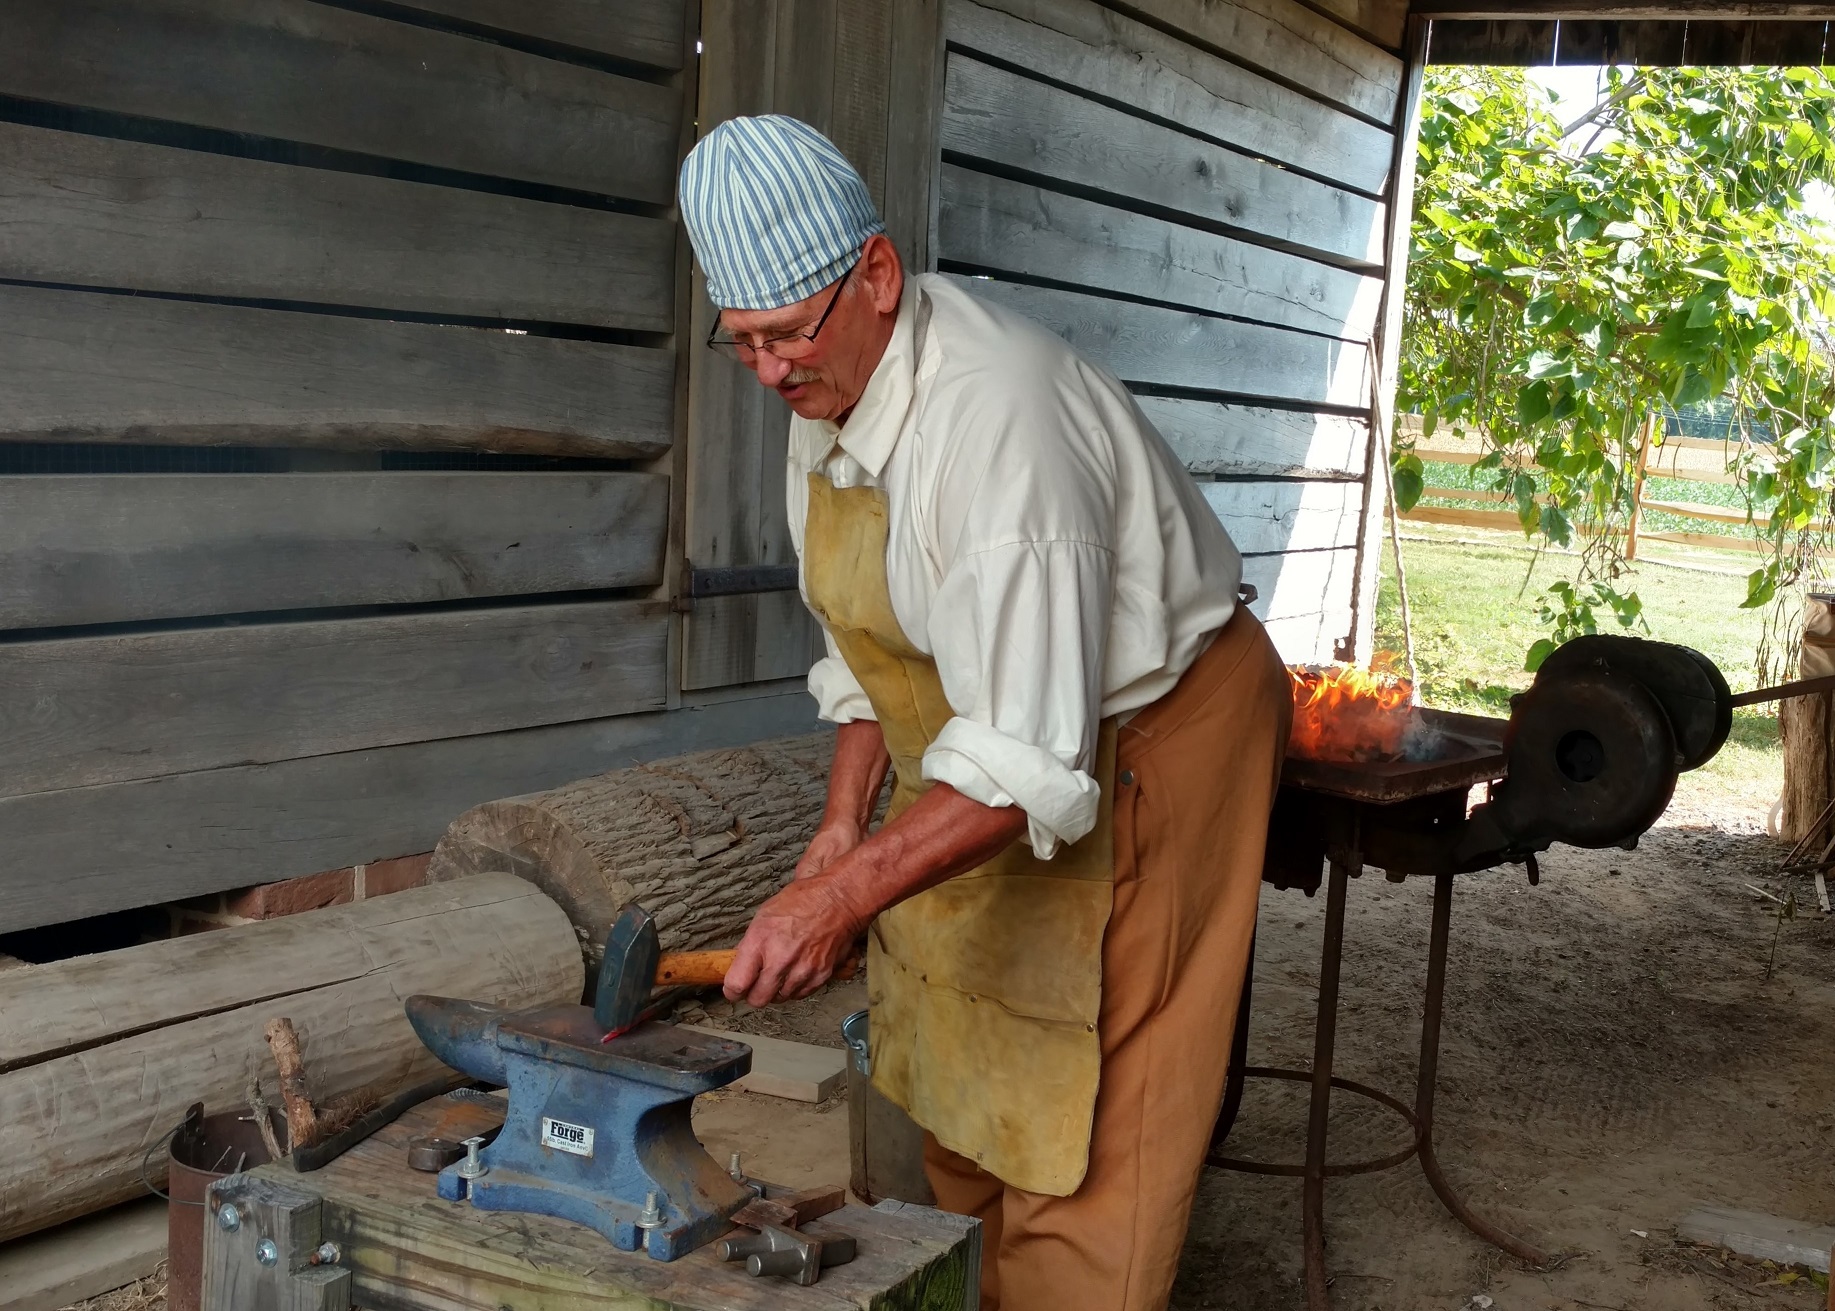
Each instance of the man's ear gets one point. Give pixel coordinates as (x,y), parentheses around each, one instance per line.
(882,273)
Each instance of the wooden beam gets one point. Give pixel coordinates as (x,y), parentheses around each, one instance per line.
(332,77)
(1288,515)
(1055,136)
(110,548)
(340,975)
(84,1258)
(1213,438)
(1291,42)
(1157,347)
(642,31)
(1305,600)
(76,366)
(99,212)
(80,711)
(86,851)
(993,224)
(1105,54)
(914,113)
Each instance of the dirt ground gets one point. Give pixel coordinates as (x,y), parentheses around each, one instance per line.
(1614,1055)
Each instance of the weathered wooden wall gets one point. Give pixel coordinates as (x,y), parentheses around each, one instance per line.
(341,395)
(861,71)
(1199,194)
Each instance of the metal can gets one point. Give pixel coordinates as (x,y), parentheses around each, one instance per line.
(886,1148)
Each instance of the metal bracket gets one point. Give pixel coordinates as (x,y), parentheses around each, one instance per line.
(741,580)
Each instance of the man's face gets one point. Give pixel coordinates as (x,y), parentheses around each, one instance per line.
(823,377)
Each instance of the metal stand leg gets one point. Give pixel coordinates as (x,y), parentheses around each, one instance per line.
(1427,1078)
(1239,1058)
(1325,1035)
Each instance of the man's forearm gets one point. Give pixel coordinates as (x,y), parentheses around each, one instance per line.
(856,774)
(941,835)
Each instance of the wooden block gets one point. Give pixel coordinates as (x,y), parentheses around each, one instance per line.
(1763,1237)
(237,1271)
(799,1071)
(408,1252)
(83,1258)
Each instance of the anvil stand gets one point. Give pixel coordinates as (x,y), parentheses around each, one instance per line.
(1345,823)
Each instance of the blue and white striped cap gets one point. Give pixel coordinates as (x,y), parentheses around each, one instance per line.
(774,210)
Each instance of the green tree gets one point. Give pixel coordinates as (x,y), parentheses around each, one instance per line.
(1570,280)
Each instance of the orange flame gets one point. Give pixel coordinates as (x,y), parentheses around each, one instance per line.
(1341,713)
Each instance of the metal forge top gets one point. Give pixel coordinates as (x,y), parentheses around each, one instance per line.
(1471,750)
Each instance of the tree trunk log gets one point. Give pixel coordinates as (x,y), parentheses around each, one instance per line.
(1809,764)
(100,1055)
(700,840)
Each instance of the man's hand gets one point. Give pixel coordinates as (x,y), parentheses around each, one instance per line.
(796,942)
(831,842)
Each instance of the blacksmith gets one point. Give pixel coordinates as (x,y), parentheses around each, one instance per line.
(1032,618)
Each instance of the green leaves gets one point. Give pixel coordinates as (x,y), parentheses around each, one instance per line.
(1410,480)
(1563,288)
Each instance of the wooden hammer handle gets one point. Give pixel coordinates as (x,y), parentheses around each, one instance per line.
(679,969)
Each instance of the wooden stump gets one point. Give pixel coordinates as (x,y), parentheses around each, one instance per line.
(700,840)
(1805,723)
(100,1055)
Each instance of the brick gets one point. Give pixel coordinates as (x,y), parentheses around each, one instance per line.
(381,877)
(291,896)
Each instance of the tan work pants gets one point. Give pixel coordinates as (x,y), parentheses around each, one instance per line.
(1189,830)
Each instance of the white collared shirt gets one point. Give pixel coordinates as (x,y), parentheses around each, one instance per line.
(1046,548)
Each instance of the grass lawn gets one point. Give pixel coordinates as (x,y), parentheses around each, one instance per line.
(1474,610)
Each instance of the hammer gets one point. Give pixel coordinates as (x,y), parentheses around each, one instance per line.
(635,963)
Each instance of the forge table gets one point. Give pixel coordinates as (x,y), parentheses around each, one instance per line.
(1397,815)
(395,1246)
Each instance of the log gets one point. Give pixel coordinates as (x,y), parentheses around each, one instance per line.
(700,840)
(100,1055)
(1805,724)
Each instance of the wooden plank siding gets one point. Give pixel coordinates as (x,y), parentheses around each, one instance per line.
(104,709)
(116,548)
(305,72)
(427,235)
(90,211)
(83,851)
(1293,43)
(1158,347)
(640,31)
(83,366)
(1053,135)
(1108,56)
(829,62)
(995,225)
(1196,193)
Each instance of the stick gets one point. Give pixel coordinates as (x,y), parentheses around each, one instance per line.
(1822,893)
(264,1123)
(295,1091)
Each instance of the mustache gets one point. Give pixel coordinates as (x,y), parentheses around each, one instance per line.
(797,377)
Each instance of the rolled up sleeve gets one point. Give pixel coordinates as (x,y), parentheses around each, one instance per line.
(839,697)
(1018,634)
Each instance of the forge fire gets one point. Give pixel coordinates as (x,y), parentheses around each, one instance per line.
(1344,713)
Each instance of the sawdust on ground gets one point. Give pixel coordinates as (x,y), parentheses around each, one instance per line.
(1614,1056)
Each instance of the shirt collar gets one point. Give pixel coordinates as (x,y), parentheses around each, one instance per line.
(873,428)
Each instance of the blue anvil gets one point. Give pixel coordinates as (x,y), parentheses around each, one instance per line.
(593,1128)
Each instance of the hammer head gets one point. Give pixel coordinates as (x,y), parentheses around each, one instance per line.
(628,972)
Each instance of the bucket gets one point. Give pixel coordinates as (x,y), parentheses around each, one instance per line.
(205,1148)
(885,1147)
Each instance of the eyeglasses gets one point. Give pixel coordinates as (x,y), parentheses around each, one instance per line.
(785,345)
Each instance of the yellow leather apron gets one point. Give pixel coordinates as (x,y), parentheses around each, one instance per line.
(985,990)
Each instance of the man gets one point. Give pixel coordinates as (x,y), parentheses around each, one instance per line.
(1032,619)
